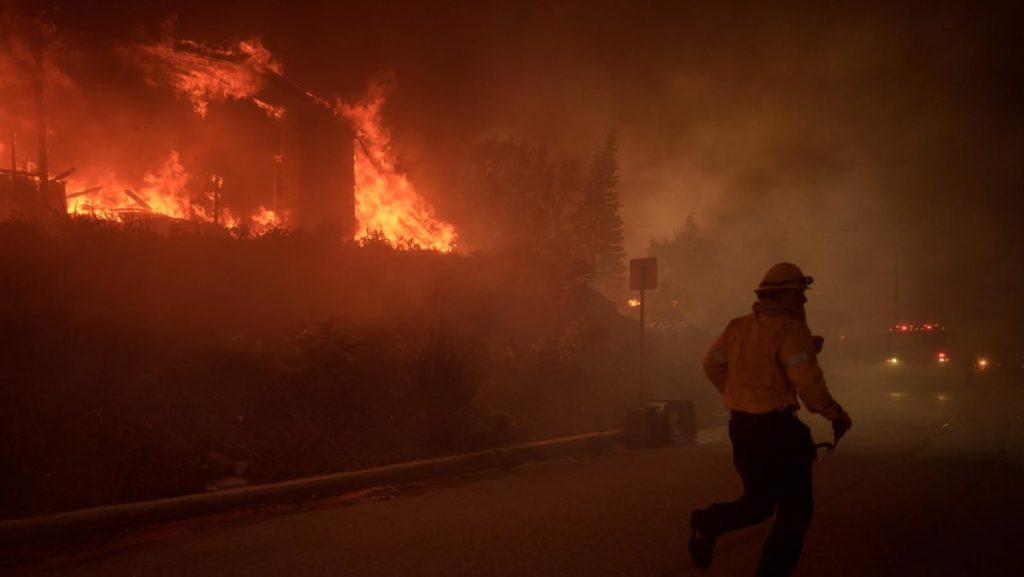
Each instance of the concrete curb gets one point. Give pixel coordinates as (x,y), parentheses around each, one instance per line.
(85,521)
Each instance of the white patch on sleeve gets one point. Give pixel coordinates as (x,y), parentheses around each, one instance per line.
(796,359)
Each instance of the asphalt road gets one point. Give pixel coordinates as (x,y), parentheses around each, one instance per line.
(929,482)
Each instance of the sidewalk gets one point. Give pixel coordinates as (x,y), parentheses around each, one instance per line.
(36,529)
(120,516)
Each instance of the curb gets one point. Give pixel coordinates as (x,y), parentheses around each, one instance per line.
(110,517)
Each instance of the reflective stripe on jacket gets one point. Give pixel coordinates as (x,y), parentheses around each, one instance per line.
(763,361)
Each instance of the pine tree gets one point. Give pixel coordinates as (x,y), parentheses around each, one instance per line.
(600,225)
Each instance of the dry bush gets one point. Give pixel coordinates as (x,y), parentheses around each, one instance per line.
(444,373)
(137,357)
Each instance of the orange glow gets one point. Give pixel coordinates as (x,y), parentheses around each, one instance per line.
(386,202)
(633,302)
(206,74)
(164,192)
(916,328)
(161,192)
(266,219)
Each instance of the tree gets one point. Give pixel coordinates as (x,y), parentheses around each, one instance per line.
(526,196)
(689,266)
(599,223)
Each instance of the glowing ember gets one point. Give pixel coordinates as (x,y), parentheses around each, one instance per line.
(386,202)
(633,302)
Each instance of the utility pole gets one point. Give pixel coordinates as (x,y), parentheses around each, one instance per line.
(40,90)
(896,283)
(218,188)
(643,274)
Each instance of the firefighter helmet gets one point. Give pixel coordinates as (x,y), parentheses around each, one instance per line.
(785,275)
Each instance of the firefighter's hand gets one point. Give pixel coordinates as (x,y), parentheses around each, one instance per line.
(841,424)
(819,343)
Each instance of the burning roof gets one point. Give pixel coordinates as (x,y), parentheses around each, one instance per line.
(332,164)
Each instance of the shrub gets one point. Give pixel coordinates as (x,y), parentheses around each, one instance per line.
(444,373)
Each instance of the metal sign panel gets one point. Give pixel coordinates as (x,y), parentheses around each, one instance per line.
(643,273)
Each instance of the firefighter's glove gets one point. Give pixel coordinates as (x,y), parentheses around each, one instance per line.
(819,343)
(840,425)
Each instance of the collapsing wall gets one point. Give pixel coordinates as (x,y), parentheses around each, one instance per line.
(318,175)
(316,183)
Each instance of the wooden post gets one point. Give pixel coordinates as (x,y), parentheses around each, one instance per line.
(217,184)
(643,347)
(40,88)
(643,275)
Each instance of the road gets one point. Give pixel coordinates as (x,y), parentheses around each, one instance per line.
(929,482)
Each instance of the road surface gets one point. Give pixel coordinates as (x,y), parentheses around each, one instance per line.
(929,482)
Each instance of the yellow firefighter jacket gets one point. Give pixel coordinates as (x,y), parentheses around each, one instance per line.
(764,360)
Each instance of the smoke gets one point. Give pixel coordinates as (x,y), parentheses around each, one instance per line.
(874,145)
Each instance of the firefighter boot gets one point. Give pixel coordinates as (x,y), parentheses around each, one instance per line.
(702,539)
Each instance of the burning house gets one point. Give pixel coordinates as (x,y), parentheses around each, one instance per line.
(332,163)
(314,181)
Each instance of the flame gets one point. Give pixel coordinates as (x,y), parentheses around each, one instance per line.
(162,192)
(265,219)
(386,202)
(387,205)
(205,74)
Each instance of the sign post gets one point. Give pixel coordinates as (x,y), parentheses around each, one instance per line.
(643,275)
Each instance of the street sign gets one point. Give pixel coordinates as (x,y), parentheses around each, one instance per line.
(643,273)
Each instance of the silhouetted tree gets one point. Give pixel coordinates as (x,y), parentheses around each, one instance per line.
(687,266)
(599,223)
(527,196)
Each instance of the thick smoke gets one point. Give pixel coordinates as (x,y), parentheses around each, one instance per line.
(874,145)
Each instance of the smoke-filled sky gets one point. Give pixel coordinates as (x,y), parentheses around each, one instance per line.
(873,143)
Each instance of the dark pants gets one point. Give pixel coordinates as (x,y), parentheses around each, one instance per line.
(773,454)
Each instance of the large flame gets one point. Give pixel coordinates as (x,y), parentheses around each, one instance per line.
(205,74)
(166,192)
(106,195)
(386,202)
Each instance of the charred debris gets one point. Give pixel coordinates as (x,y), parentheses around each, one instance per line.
(312,182)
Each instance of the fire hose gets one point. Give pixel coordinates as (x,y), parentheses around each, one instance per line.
(830,447)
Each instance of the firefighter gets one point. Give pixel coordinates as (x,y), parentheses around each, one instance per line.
(761,364)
